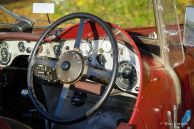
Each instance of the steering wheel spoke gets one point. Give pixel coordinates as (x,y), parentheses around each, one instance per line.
(79,34)
(46,62)
(61,100)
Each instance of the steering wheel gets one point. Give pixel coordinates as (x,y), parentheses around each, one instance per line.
(71,67)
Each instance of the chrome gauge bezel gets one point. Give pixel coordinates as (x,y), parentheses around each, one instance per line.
(21,46)
(106,46)
(118,83)
(6,46)
(57,53)
(99,61)
(86,47)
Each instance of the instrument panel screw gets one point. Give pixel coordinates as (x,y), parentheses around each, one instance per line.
(28,50)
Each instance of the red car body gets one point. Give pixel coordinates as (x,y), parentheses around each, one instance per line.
(166,95)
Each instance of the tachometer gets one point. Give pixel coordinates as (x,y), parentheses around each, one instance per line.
(5,53)
(127,76)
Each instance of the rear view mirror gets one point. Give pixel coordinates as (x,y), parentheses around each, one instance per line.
(188,36)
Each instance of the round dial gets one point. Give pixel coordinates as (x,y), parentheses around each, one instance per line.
(106,46)
(86,47)
(127,76)
(101,59)
(5,54)
(57,50)
(21,46)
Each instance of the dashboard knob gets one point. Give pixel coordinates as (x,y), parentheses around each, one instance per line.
(28,50)
(67,48)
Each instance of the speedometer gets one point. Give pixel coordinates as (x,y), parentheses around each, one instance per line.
(127,76)
(5,54)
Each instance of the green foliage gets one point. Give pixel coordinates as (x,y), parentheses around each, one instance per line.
(125,13)
(122,12)
(181,6)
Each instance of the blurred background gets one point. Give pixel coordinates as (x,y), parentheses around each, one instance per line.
(125,13)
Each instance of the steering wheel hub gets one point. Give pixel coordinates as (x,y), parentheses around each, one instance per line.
(70,67)
(66,65)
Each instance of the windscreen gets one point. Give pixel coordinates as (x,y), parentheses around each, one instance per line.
(172,43)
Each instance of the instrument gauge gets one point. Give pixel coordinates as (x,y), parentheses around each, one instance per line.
(86,47)
(57,50)
(106,46)
(21,46)
(127,76)
(5,54)
(100,58)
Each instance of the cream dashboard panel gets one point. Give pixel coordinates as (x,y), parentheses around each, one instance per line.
(97,53)
(9,50)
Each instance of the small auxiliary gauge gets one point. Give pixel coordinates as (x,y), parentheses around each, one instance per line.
(57,50)
(5,54)
(21,46)
(86,47)
(100,58)
(106,46)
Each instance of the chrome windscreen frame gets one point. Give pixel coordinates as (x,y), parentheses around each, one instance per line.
(169,34)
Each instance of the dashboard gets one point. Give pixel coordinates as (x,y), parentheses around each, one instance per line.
(97,53)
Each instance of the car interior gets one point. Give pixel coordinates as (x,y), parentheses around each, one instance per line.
(86,75)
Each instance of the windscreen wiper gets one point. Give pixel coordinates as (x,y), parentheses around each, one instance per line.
(23,23)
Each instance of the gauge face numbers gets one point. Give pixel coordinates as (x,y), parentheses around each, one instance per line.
(5,54)
(21,46)
(127,76)
(106,46)
(100,58)
(57,50)
(86,47)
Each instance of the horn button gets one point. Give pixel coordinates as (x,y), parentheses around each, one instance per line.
(70,67)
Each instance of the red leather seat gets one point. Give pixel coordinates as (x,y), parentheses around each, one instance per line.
(8,123)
